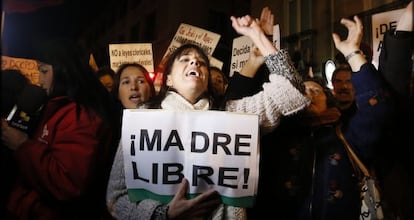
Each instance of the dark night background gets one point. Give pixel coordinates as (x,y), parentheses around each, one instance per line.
(25,26)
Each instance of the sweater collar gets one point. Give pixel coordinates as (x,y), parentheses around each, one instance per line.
(174,101)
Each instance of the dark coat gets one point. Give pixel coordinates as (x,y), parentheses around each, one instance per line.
(305,169)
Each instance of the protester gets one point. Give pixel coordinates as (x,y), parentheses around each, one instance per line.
(12,84)
(106,76)
(132,85)
(304,166)
(393,162)
(64,165)
(219,82)
(186,86)
(343,89)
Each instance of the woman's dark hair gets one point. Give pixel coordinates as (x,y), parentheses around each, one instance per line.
(117,80)
(340,68)
(225,78)
(183,49)
(12,84)
(330,99)
(105,70)
(72,77)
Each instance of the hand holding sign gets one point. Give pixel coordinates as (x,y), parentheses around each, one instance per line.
(200,206)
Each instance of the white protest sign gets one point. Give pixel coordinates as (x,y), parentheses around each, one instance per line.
(161,147)
(382,22)
(242,47)
(27,67)
(131,53)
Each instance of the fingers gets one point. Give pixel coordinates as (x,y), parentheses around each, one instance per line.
(205,203)
(210,194)
(182,189)
(211,203)
(245,20)
(349,24)
(241,21)
(358,23)
(336,39)
(266,15)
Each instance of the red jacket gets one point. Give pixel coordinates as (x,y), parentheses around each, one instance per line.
(60,167)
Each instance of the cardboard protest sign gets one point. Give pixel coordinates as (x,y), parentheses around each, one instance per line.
(28,67)
(161,147)
(216,62)
(190,34)
(131,53)
(382,22)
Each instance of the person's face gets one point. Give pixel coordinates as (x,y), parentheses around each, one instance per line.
(189,76)
(343,89)
(107,81)
(318,98)
(217,81)
(45,76)
(134,89)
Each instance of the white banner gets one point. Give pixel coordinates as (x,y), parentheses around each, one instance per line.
(212,149)
(382,22)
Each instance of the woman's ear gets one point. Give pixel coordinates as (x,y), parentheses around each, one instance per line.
(169,81)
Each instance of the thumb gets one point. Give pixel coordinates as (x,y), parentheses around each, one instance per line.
(336,39)
(182,189)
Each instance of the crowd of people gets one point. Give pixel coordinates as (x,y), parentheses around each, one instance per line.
(71,166)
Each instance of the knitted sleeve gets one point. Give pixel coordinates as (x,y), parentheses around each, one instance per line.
(117,199)
(278,98)
(280,63)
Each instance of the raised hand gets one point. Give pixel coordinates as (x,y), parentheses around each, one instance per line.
(199,207)
(267,20)
(253,63)
(246,25)
(250,27)
(12,137)
(353,40)
(350,46)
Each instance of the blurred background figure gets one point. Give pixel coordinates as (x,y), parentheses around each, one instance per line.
(64,165)
(12,84)
(219,81)
(106,76)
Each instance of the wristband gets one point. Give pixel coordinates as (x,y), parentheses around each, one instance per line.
(349,56)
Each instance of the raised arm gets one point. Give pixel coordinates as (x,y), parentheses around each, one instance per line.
(281,95)
(350,46)
(250,27)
